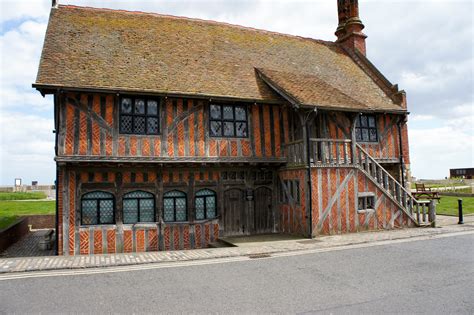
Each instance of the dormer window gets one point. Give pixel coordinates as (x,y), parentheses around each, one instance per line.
(139,115)
(228,121)
(366,128)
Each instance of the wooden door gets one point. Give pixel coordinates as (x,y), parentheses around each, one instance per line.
(235,213)
(263,213)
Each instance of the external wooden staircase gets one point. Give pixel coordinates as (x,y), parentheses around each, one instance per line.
(417,210)
(346,153)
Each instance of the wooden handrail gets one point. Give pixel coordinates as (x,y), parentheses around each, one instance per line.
(329,140)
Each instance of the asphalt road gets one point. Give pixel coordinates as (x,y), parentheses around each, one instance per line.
(434,276)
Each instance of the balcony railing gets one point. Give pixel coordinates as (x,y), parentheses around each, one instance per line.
(330,151)
(336,152)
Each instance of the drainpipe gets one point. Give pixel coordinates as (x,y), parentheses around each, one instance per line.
(400,142)
(310,182)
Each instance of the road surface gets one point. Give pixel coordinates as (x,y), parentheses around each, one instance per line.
(431,276)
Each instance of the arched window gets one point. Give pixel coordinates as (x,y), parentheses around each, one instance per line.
(97,207)
(138,206)
(205,202)
(175,206)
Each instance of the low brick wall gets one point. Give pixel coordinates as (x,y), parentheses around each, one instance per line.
(13,233)
(41,221)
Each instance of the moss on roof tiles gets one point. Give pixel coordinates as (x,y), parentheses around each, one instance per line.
(113,49)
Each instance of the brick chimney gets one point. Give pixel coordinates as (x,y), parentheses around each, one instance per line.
(349,31)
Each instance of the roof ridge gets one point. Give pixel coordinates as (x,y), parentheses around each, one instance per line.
(214,22)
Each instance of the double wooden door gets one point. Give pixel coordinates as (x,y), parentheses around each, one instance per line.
(245,217)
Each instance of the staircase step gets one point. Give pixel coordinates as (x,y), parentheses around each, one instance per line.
(424,224)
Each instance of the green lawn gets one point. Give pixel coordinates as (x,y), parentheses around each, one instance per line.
(449,205)
(22,195)
(11,210)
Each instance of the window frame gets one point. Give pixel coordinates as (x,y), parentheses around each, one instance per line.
(358,126)
(98,207)
(138,206)
(365,202)
(213,194)
(174,205)
(145,115)
(223,120)
(297,196)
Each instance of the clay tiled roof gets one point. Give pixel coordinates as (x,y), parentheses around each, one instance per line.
(134,51)
(309,90)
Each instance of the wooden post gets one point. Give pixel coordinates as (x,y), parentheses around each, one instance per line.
(353,139)
(432,213)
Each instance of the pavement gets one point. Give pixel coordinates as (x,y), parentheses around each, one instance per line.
(28,246)
(259,246)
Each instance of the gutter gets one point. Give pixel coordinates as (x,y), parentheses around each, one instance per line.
(50,89)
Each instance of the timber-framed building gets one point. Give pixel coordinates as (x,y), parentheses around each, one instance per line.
(173,132)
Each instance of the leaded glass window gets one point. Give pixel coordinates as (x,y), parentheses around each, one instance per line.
(228,121)
(139,115)
(175,206)
(138,206)
(205,203)
(97,207)
(366,128)
(366,202)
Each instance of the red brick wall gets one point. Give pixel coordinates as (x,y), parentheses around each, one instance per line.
(179,136)
(292,218)
(102,239)
(335,201)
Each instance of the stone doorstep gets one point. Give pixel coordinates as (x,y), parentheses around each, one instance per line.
(47,263)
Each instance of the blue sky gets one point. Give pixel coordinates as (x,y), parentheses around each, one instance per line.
(425,46)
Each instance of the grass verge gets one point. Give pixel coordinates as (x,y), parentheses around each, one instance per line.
(22,195)
(11,210)
(449,205)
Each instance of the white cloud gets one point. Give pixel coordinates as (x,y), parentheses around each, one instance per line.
(21,9)
(20,52)
(415,118)
(433,151)
(26,147)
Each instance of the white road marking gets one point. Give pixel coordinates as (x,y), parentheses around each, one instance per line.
(102,270)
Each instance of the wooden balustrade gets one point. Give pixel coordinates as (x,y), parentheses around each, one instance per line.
(330,152)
